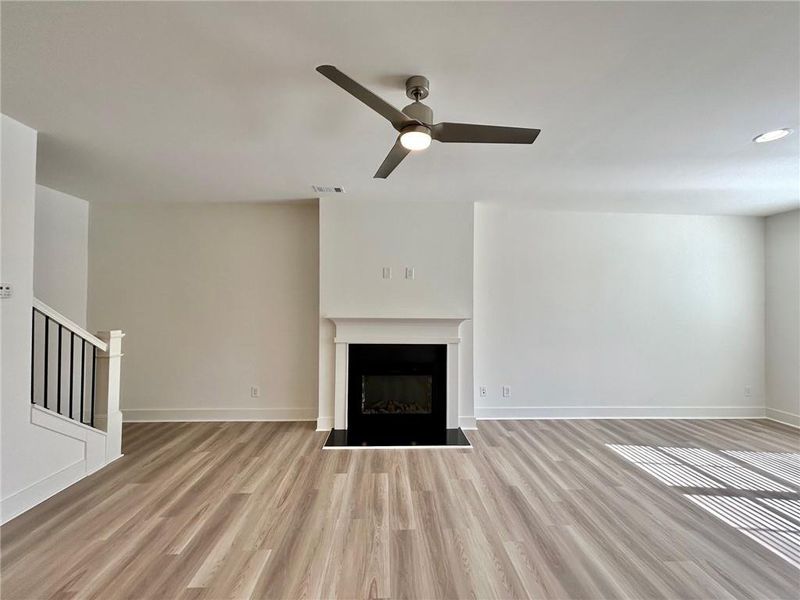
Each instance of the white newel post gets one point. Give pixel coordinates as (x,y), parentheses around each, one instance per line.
(108,416)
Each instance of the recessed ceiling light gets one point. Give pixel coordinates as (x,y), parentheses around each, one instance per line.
(771,136)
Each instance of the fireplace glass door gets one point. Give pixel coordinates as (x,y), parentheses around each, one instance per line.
(396,394)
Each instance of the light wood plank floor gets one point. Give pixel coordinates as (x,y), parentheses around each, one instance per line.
(538,509)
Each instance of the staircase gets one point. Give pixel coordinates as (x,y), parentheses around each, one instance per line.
(74,394)
(75,377)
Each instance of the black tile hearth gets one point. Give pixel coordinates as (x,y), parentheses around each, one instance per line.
(342,438)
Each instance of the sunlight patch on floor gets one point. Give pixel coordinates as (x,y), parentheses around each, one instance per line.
(735,495)
(789,507)
(785,465)
(771,531)
(663,467)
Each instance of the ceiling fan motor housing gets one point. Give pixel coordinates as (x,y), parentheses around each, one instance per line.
(419,111)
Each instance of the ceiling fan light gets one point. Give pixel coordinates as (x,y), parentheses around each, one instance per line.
(415,138)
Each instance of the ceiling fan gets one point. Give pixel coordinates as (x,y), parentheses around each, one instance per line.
(415,121)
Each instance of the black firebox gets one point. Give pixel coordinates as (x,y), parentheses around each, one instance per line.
(397,394)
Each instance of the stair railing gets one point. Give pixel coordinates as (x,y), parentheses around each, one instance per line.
(77,374)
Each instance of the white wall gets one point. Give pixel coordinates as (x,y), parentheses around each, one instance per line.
(783,316)
(618,314)
(34,462)
(60,257)
(213,298)
(359,238)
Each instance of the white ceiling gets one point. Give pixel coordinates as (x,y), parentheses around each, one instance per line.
(644,107)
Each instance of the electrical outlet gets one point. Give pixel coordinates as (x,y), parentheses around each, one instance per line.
(506,391)
(5,290)
(409,272)
(255,391)
(748,391)
(482,391)
(386,272)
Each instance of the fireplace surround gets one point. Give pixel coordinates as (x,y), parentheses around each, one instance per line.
(396,382)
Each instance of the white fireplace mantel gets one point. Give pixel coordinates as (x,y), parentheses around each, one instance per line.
(393,330)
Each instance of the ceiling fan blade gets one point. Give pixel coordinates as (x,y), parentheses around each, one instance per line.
(482,134)
(396,117)
(396,154)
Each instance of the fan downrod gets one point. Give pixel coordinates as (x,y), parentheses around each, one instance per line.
(417,87)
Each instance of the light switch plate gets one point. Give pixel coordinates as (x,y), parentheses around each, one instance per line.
(387,272)
(409,272)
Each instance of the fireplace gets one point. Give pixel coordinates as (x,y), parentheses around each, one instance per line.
(395,383)
(397,393)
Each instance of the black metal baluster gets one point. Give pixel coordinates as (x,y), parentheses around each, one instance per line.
(46,356)
(83,374)
(58,394)
(94,379)
(33,352)
(71,369)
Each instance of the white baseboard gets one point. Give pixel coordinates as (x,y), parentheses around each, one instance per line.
(151,415)
(781,416)
(24,500)
(468,423)
(94,459)
(619,412)
(40,491)
(324,423)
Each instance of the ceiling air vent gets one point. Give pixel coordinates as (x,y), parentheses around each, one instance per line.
(327,189)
